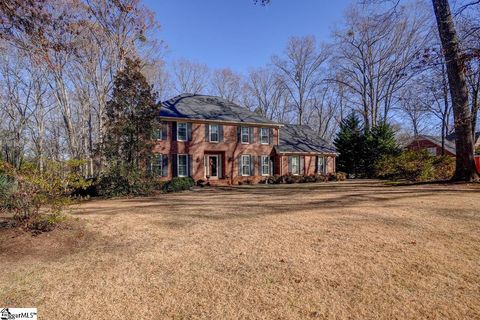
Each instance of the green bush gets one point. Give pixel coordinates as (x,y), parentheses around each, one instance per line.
(416,166)
(178,184)
(7,185)
(119,182)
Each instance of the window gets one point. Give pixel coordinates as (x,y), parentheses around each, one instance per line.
(295,165)
(432,151)
(265,163)
(156,166)
(246,165)
(214,133)
(182,165)
(157,134)
(321,164)
(245,135)
(264,135)
(182,131)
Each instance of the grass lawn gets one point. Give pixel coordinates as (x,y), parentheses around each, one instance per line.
(307,251)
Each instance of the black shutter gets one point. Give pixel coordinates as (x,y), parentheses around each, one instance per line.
(290,164)
(239,164)
(174,131)
(190,165)
(220,133)
(165,165)
(174,165)
(316,164)
(252,165)
(252,136)
(207,132)
(302,165)
(189,131)
(239,134)
(270,136)
(164,127)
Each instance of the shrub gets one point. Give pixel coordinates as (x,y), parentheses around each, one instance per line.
(178,184)
(337,176)
(27,191)
(416,166)
(118,182)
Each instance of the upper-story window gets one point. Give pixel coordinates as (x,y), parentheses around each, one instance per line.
(264,135)
(245,135)
(214,133)
(182,131)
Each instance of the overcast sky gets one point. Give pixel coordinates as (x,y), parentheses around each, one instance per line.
(237,33)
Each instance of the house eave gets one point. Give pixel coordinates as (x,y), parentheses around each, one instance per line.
(256,124)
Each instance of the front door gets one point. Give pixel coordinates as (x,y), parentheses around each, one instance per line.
(212,166)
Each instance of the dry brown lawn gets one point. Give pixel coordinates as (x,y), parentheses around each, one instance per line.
(362,250)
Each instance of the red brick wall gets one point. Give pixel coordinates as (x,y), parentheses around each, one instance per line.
(229,148)
(310,165)
(421,144)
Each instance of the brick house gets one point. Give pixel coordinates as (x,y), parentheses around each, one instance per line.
(212,139)
(434,144)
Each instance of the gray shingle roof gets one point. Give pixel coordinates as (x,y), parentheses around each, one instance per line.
(203,107)
(298,139)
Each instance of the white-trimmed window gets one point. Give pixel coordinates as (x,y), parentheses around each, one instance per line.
(182,131)
(265,135)
(245,134)
(182,165)
(432,151)
(246,165)
(156,166)
(321,164)
(295,163)
(214,132)
(265,164)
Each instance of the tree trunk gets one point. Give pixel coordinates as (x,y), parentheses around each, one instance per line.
(465,166)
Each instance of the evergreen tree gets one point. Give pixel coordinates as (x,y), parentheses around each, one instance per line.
(130,118)
(350,144)
(379,142)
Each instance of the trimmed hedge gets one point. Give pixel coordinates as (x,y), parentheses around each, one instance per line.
(178,184)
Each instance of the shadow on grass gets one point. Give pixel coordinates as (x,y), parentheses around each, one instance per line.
(247,202)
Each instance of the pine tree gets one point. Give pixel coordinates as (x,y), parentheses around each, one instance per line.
(350,144)
(379,142)
(130,118)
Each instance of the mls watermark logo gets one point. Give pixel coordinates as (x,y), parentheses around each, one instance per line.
(18,313)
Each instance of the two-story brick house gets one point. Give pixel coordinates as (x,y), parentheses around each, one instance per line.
(209,138)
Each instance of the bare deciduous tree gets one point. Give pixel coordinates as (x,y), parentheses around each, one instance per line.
(189,77)
(300,71)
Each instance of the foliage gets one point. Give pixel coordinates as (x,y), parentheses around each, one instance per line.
(130,118)
(416,166)
(360,150)
(289,179)
(350,145)
(30,194)
(338,176)
(379,142)
(179,184)
(119,181)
